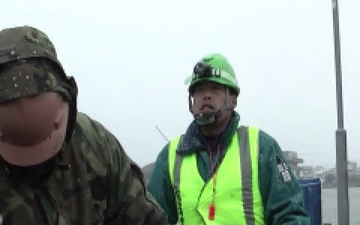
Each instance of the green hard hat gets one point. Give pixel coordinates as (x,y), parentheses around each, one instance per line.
(215,68)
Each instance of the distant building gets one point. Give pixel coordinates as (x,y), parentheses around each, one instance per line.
(319,170)
(292,159)
(352,168)
(353,176)
(307,172)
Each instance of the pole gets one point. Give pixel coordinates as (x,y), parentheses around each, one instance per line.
(341,151)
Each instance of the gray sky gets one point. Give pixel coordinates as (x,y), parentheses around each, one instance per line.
(130,60)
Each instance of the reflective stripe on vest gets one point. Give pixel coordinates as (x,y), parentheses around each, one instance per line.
(237,197)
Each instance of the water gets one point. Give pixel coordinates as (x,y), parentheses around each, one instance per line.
(329,206)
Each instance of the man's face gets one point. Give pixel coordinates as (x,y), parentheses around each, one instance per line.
(209,97)
(32,128)
(29,120)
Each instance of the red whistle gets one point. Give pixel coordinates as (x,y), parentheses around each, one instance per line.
(211,212)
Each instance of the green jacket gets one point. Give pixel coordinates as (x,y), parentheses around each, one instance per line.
(282,198)
(91,182)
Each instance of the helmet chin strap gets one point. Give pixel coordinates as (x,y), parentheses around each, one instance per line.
(203,119)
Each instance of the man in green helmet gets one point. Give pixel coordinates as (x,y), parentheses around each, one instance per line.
(221,172)
(57,165)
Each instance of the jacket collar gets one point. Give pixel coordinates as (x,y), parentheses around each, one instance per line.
(192,140)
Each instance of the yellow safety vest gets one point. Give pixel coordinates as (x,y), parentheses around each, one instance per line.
(237,198)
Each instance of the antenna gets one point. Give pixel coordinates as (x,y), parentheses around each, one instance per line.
(162,133)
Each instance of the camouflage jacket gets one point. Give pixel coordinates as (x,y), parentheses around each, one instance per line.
(90,182)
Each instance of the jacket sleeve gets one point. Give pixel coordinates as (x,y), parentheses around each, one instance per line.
(160,186)
(281,193)
(128,200)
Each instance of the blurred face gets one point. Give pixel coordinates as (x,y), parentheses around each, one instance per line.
(210,97)
(32,129)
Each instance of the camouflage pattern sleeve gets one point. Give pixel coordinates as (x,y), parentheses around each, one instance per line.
(128,200)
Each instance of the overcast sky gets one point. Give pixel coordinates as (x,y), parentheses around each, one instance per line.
(130,60)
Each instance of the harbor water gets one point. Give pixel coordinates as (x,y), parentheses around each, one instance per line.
(329,205)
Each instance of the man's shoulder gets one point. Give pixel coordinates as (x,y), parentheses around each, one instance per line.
(86,126)
(176,138)
(91,138)
(85,121)
(263,135)
(266,141)
(266,138)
